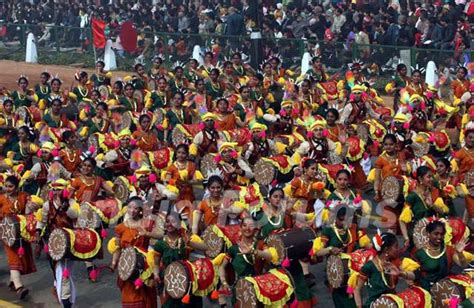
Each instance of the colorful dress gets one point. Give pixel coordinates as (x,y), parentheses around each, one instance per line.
(214,89)
(71,158)
(24,153)
(144,297)
(169,255)
(81,92)
(348,243)
(24,264)
(87,190)
(183,174)
(418,206)
(146,140)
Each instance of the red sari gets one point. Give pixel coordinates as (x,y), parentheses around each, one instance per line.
(24,264)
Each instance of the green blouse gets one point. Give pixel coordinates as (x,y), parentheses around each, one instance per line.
(376,285)
(214,91)
(271,224)
(80,93)
(159,101)
(418,207)
(333,239)
(243,264)
(432,269)
(48,119)
(42,91)
(168,254)
(20,100)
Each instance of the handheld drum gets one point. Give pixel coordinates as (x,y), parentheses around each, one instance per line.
(274,288)
(338,266)
(185,277)
(217,238)
(16,227)
(80,244)
(412,297)
(293,244)
(449,287)
(131,263)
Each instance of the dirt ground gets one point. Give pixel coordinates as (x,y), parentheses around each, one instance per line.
(11,70)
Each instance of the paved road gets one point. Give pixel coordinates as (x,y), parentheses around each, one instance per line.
(105,293)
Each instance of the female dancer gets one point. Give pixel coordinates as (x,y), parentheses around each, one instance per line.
(380,274)
(159,98)
(424,201)
(447,181)
(70,155)
(20,260)
(184,173)
(134,232)
(390,163)
(244,256)
(146,135)
(23,96)
(83,89)
(178,114)
(211,208)
(436,259)
(59,211)
(172,247)
(338,238)
(86,186)
(24,150)
(276,216)
(465,161)
(42,89)
(8,123)
(100,77)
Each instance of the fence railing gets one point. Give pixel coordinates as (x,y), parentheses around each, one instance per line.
(73,45)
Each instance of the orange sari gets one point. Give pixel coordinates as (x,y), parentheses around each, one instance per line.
(24,264)
(226,122)
(185,189)
(86,191)
(209,213)
(144,297)
(459,87)
(71,159)
(146,141)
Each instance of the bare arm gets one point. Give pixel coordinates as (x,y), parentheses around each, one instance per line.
(358,292)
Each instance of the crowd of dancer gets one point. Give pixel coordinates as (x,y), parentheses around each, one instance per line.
(228,183)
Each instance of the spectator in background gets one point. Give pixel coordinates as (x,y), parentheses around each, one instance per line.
(235,23)
(338,21)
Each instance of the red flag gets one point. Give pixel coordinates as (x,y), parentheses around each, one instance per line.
(128,37)
(98,33)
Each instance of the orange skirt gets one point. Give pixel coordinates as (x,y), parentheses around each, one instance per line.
(24,264)
(144,297)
